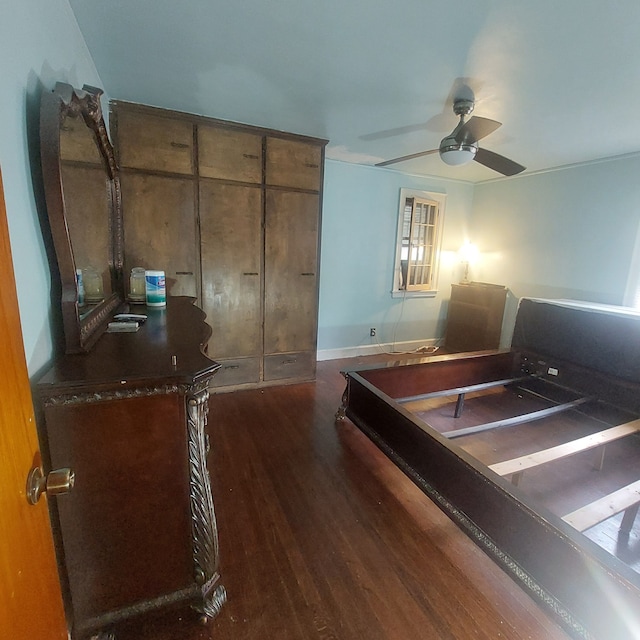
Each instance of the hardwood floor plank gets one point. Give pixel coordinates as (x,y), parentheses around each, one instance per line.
(323,538)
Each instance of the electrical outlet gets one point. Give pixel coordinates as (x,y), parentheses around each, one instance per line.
(372,332)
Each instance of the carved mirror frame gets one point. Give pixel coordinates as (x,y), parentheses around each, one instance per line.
(83,324)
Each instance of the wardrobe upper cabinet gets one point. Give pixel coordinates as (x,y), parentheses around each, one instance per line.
(292,163)
(228,154)
(155,143)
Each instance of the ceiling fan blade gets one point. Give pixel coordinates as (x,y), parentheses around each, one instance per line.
(397,131)
(475,128)
(498,163)
(409,157)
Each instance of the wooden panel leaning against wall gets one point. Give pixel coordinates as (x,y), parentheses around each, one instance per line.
(232,214)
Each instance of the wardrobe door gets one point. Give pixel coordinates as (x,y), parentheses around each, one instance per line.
(160,229)
(231,250)
(291,284)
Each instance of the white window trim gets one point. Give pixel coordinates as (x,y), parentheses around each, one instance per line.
(441,199)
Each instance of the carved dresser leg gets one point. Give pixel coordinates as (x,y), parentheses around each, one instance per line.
(203,519)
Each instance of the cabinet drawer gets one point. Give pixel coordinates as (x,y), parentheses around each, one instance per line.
(290,163)
(300,366)
(154,142)
(482,295)
(237,371)
(229,155)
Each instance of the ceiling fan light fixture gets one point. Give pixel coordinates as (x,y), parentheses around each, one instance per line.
(456,153)
(461,146)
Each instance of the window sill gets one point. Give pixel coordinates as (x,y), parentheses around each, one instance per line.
(432,293)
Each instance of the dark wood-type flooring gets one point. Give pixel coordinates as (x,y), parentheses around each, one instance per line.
(323,538)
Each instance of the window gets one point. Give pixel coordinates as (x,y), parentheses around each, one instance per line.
(418,244)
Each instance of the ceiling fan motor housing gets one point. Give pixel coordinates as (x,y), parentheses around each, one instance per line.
(463,107)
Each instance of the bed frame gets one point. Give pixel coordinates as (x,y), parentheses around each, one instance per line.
(590,353)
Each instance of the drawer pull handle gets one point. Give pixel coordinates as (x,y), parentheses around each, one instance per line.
(251,156)
(179,145)
(232,366)
(250,273)
(310,165)
(289,361)
(184,273)
(307,273)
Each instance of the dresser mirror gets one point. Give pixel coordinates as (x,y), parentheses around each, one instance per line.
(82,191)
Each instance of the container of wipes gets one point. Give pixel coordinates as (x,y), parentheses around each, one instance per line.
(156,293)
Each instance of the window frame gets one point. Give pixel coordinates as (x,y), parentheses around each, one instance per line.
(439,199)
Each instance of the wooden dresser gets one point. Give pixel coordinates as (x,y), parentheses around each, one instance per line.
(474,320)
(137,531)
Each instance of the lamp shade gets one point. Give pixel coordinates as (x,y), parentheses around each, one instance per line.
(456,153)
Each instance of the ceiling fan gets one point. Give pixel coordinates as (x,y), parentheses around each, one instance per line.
(461,145)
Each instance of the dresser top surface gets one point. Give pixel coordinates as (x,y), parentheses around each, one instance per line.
(167,348)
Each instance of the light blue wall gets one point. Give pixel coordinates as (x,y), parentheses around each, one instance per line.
(568,233)
(40,43)
(359,226)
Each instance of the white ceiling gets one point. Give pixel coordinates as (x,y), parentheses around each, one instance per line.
(377,78)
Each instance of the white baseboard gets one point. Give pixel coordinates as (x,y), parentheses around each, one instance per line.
(411,346)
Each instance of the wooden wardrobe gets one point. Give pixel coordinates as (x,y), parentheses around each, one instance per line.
(231,213)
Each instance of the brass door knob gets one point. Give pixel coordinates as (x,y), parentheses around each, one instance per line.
(54,483)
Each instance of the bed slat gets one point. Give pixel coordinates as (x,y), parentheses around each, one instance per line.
(625,499)
(516,420)
(462,390)
(518,465)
